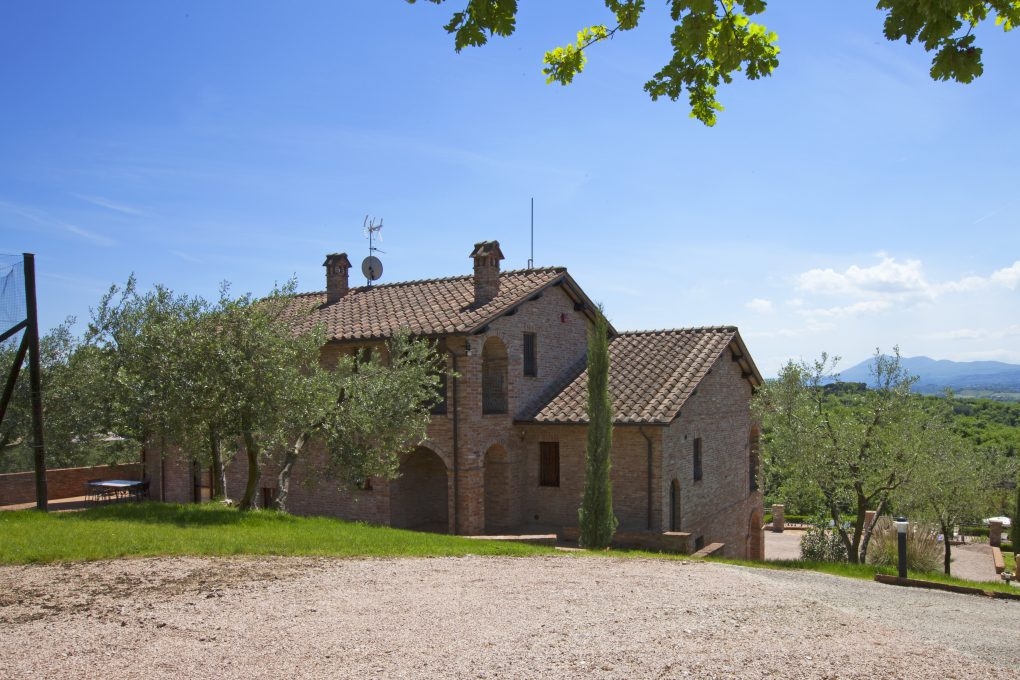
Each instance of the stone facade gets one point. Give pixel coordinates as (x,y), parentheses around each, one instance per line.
(481,469)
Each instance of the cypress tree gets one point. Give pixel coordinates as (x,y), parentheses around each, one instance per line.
(598,523)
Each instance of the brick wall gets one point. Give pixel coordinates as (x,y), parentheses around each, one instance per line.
(492,469)
(720,506)
(19,487)
(556,507)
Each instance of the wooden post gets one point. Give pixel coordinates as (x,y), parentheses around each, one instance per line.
(35,380)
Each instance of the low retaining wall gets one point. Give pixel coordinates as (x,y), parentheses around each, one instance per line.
(667,541)
(19,487)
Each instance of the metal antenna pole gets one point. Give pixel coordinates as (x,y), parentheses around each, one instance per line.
(531,261)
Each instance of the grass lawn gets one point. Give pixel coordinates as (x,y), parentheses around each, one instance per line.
(868,571)
(155,529)
(163,529)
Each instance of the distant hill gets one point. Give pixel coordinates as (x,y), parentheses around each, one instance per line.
(993,379)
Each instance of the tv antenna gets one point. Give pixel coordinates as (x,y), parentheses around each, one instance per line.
(531,260)
(371,266)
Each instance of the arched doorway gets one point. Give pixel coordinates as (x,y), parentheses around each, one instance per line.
(419,496)
(755,537)
(497,490)
(674,506)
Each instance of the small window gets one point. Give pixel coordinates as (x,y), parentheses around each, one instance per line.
(697,459)
(530,354)
(699,543)
(549,464)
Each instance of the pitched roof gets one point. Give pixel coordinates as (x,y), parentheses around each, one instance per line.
(651,375)
(427,307)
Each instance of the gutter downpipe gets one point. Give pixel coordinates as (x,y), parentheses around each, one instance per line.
(648,442)
(456,448)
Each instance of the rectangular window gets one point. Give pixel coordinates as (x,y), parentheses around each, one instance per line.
(530,354)
(549,464)
(697,459)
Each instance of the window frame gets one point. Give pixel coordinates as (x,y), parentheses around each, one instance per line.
(698,460)
(529,360)
(549,464)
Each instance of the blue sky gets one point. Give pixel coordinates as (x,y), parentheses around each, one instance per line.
(846,203)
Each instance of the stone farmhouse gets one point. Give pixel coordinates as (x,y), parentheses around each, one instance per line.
(505,449)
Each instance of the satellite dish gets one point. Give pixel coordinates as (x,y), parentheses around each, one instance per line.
(371,268)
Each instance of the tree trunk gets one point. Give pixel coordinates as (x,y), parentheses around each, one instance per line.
(250,500)
(283,480)
(946,529)
(869,530)
(219,475)
(837,526)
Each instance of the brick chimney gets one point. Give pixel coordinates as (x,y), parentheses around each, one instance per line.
(337,282)
(487,256)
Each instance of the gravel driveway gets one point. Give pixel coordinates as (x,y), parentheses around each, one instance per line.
(477,617)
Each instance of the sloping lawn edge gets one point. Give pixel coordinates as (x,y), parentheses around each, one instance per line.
(948,587)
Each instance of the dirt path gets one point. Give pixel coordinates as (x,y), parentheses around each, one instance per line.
(485,618)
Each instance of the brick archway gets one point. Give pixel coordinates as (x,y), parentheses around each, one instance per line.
(419,497)
(755,536)
(497,490)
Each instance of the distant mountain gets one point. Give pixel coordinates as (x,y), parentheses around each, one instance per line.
(976,378)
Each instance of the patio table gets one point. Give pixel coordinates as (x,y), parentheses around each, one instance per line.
(100,490)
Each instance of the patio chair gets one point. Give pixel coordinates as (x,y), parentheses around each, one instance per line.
(93,492)
(140,491)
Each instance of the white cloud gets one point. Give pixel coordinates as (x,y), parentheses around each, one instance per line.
(982,334)
(84,233)
(759,305)
(855,309)
(887,277)
(108,204)
(879,287)
(186,257)
(1008,277)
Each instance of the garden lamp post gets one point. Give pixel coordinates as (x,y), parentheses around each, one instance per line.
(901,542)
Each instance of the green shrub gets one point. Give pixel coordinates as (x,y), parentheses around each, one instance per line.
(974,531)
(821,543)
(924,553)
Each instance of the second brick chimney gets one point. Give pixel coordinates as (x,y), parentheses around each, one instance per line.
(486,256)
(337,279)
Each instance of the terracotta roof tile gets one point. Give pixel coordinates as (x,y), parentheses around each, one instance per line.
(428,307)
(651,375)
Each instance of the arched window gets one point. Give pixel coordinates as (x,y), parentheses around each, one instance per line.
(494,368)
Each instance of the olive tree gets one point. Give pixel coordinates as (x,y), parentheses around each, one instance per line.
(855,449)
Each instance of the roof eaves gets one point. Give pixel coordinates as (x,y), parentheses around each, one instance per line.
(480,325)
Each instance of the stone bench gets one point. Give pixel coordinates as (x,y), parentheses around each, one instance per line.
(1000,564)
(709,550)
